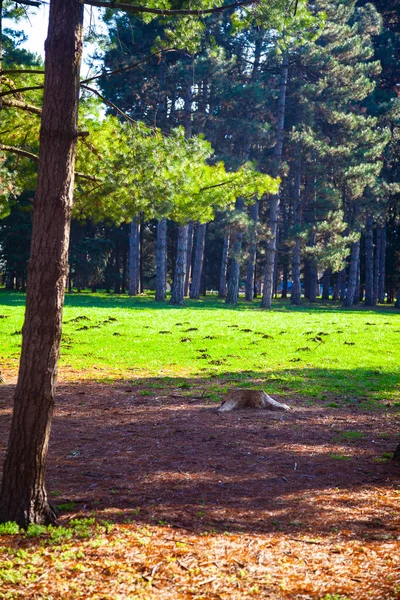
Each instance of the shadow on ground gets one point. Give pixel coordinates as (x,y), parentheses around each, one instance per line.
(156,453)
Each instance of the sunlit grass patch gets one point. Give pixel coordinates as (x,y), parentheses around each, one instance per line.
(326,353)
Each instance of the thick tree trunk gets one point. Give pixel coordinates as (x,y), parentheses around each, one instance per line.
(235,260)
(161,260)
(189,253)
(251,265)
(178,286)
(382,270)
(134,257)
(352,283)
(23,496)
(397,303)
(326,282)
(224,266)
(274,198)
(370,299)
(198,261)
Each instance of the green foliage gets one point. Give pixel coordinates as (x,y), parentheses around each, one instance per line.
(9,528)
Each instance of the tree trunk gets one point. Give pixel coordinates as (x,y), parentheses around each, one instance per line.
(370,299)
(326,282)
(198,261)
(251,265)
(382,270)
(234,264)
(352,283)
(224,266)
(178,286)
(189,253)
(397,303)
(274,198)
(23,496)
(161,260)
(134,257)
(295,296)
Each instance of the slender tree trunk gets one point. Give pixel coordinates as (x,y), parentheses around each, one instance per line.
(251,265)
(296,255)
(117,285)
(378,248)
(234,264)
(382,270)
(369,262)
(224,266)
(134,257)
(274,198)
(178,286)
(189,253)
(352,283)
(161,260)
(397,303)
(23,496)
(198,260)
(313,280)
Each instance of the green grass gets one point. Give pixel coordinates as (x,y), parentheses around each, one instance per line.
(321,351)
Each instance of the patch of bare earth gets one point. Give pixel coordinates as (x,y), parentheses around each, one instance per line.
(244,504)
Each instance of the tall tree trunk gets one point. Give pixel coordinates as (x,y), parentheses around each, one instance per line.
(161,260)
(198,260)
(370,299)
(234,264)
(352,283)
(397,303)
(295,296)
(377,269)
(23,496)
(274,198)
(224,266)
(117,285)
(251,265)
(342,283)
(134,257)
(178,286)
(189,253)
(326,282)
(382,270)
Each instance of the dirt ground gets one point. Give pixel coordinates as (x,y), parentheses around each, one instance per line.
(262,504)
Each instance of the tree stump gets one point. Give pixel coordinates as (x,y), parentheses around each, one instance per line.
(243,398)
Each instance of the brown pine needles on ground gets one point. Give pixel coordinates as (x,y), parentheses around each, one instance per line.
(163,498)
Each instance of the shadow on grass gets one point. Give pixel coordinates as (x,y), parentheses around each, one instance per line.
(154,452)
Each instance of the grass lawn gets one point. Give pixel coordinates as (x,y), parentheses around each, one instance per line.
(317,351)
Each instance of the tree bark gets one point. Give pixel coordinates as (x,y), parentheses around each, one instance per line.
(370,299)
(134,258)
(23,496)
(382,270)
(224,266)
(326,282)
(198,261)
(234,264)
(352,283)
(295,296)
(178,286)
(189,253)
(161,260)
(251,265)
(274,198)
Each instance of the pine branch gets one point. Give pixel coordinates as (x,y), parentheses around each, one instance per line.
(29,3)
(35,158)
(123,69)
(13,103)
(109,103)
(164,12)
(19,90)
(12,71)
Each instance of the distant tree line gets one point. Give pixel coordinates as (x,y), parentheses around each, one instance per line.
(314,103)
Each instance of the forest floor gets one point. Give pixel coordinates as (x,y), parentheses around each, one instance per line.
(161,497)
